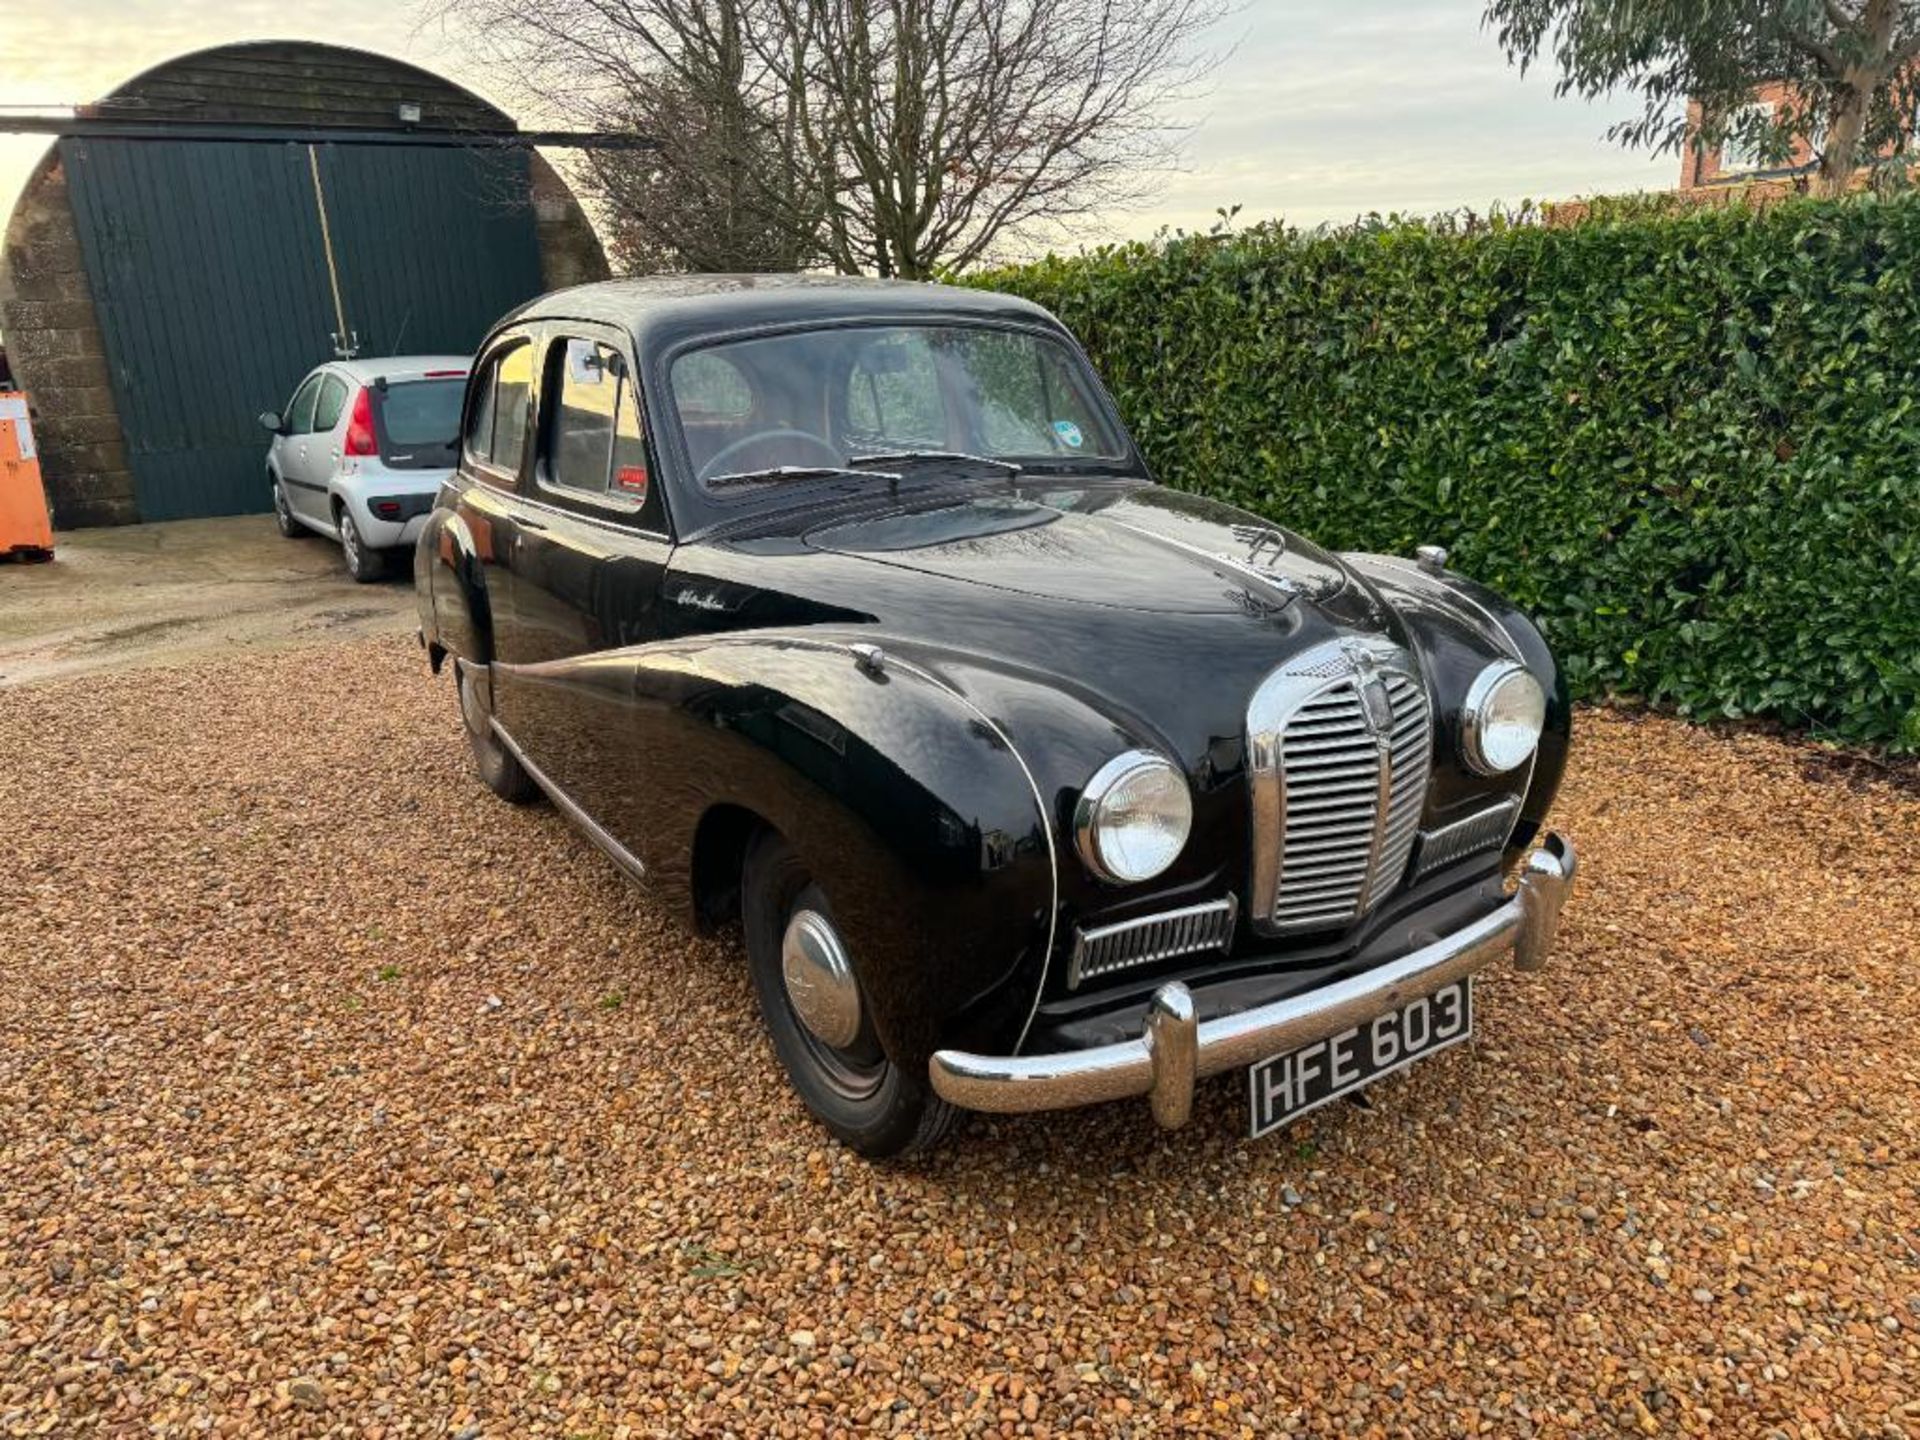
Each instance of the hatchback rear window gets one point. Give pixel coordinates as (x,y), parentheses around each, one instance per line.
(422,412)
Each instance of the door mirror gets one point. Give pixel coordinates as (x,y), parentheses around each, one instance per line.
(270,422)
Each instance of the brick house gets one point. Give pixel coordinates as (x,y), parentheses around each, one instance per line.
(1703,167)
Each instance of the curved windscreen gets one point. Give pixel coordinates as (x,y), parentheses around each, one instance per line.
(883,396)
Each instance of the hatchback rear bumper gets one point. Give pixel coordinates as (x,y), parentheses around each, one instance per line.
(1177,1049)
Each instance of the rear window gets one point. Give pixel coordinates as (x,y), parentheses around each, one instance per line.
(422,412)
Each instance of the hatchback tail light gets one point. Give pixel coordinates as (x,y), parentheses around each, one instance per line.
(360,439)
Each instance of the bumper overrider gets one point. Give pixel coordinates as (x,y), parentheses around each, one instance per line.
(1177,1049)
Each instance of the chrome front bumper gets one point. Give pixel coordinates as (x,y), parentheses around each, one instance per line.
(1177,1049)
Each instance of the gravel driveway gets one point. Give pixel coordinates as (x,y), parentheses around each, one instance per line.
(338,1098)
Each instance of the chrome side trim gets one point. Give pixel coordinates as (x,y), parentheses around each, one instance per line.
(569,807)
(1151,939)
(1486,829)
(1176,1049)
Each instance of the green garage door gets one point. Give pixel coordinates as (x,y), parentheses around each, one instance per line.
(210,271)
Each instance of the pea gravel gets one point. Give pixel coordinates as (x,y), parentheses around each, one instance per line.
(338,1098)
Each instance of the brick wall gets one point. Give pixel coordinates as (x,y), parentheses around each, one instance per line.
(53,343)
(570,252)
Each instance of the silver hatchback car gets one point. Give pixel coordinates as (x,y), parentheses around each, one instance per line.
(360,452)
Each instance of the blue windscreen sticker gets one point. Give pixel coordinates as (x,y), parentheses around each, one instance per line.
(1069,434)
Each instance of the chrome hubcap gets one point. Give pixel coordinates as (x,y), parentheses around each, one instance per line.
(820,983)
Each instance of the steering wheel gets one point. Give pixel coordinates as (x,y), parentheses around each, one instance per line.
(712,467)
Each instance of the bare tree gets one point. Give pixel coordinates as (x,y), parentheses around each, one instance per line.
(937,126)
(714,193)
(718,190)
(899,137)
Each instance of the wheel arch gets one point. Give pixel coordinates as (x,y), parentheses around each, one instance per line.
(911,809)
(720,841)
(450,590)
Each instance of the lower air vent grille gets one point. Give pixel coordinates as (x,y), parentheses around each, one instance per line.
(1150,939)
(1484,830)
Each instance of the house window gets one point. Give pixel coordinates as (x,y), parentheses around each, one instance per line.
(1744,149)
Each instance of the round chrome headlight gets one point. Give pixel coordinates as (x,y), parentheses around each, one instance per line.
(1133,818)
(1501,722)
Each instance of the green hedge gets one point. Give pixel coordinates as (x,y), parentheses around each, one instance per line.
(1690,444)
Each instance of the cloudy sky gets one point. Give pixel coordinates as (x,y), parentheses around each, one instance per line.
(1318,111)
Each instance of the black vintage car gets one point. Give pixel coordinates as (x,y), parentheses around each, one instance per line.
(849,610)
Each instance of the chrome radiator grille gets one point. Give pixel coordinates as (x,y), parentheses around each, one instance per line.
(1339,766)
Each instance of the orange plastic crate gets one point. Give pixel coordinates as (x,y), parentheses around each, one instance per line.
(25,530)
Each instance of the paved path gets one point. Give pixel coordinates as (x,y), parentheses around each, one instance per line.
(154,594)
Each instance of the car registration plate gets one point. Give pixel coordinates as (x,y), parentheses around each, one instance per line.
(1282,1088)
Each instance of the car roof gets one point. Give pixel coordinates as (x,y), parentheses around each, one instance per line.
(658,309)
(400,367)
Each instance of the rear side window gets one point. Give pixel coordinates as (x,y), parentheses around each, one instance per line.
(300,411)
(497,426)
(333,399)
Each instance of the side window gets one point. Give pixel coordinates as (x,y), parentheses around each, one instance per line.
(497,419)
(630,476)
(480,420)
(512,393)
(333,399)
(300,412)
(893,393)
(584,380)
(595,430)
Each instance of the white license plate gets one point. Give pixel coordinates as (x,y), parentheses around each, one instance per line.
(1282,1088)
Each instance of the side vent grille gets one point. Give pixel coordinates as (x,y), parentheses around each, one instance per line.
(1483,830)
(1150,939)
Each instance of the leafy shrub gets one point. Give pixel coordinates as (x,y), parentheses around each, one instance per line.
(1689,443)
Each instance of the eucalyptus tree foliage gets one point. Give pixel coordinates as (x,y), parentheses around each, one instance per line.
(1849,68)
(894,137)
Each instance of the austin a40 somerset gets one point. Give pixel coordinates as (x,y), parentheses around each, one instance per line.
(850,612)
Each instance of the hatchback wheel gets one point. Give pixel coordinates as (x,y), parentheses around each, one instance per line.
(283,513)
(364,563)
(818,1016)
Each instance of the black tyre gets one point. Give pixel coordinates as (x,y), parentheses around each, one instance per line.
(283,512)
(364,563)
(847,1081)
(501,772)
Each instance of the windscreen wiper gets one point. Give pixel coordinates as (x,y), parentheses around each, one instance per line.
(894,456)
(776,473)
